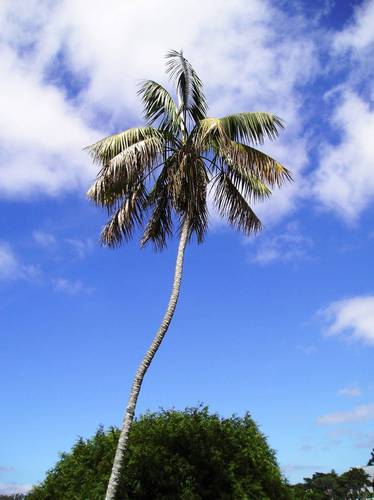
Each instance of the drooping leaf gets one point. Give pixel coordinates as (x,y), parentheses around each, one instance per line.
(254,162)
(126,218)
(232,205)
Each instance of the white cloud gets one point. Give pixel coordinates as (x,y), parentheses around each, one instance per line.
(358,414)
(11,268)
(353,316)
(71,287)
(14,488)
(350,391)
(344,181)
(288,246)
(359,34)
(45,240)
(237,47)
(41,134)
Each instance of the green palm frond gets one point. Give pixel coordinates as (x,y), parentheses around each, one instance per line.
(188,84)
(252,188)
(106,149)
(253,162)
(232,205)
(252,128)
(159,105)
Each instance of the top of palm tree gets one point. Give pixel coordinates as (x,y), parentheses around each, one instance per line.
(160,175)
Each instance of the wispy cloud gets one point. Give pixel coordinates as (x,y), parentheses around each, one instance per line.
(353,317)
(70,287)
(289,246)
(81,248)
(11,268)
(357,414)
(357,439)
(44,239)
(350,391)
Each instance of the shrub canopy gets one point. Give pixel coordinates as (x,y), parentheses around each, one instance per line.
(186,455)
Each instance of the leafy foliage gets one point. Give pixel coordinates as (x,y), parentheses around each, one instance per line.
(351,485)
(186,455)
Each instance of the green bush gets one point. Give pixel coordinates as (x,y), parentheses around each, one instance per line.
(187,455)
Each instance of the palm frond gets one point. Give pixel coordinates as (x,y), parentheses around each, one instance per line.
(123,172)
(138,157)
(252,128)
(252,162)
(188,84)
(106,149)
(232,205)
(159,225)
(126,218)
(252,188)
(104,192)
(196,200)
(159,105)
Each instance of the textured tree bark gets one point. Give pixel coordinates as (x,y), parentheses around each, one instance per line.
(144,365)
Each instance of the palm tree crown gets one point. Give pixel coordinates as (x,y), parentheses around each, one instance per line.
(160,175)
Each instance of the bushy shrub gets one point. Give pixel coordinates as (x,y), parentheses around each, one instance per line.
(186,455)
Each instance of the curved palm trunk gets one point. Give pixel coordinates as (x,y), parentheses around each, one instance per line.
(143,367)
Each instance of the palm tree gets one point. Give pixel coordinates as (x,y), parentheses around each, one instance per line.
(159,177)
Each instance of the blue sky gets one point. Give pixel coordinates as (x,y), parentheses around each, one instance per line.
(281,324)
